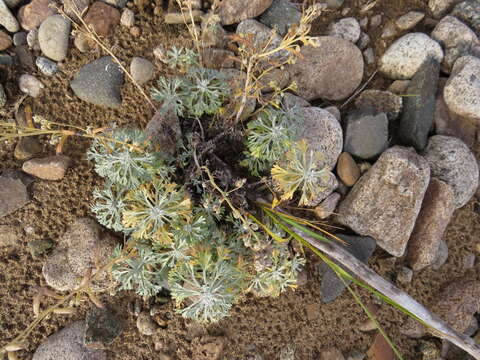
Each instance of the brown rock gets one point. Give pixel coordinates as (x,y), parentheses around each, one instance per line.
(135,31)
(275,79)
(381,101)
(331,354)
(367,325)
(380,349)
(436,212)
(347,169)
(164,131)
(8,236)
(331,71)
(385,202)
(399,87)
(234,11)
(5,40)
(213,34)
(13,195)
(327,206)
(456,305)
(26,148)
(217,58)
(33,14)
(49,168)
(102,17)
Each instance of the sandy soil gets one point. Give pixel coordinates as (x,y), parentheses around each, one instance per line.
(264,326)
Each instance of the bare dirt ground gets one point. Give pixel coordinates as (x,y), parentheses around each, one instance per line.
(257,326)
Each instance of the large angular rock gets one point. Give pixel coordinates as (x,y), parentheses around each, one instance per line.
(385,202)
(323,132)
(437,210)
(407,54)
(332,286)
(13,195)
(83,246)
(366,136)
(99,83)
(331,71)
(462,91)
(234,11)
(67,344)
(452,162)
(418,110)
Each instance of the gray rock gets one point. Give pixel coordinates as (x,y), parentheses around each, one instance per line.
(435,214)
(141,70)
(67,344)
(218,58)
(389,30)
(102,327)
(12,3)
(74,7)
(376,21)
(261,35)
(331,71)
(13,195)
(84,245)
(407,54)
(164,131)
(335,112)
(369,56)
(366,134)
(30,85)
(456,38)
(53,37)
(452,162)
(332,286)
(399,87)
(3,97)
(364,41)
(334,4)
(462,91)
(380,101)
(32,39)
(20,38)
(99,83)
(418,111)
(347,28)
(409,20)
(280,16)
(128,18)
(404,276)
(385,202)
(7,19)
(236,82)
(469,12)
(145,324)
(6,60)
(439,8)
(46,66)
(327,206)
(323,133)
(234,11)
(290,101)
(442,255)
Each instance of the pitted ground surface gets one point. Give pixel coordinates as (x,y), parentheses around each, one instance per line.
(263,326)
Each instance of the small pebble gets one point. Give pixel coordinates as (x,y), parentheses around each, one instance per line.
(347,169)
(179,18)
(49,168)
(141,70)
(145,324)
(30,85)
(20,38)
(128,18)
(3,97)
(405,276)
(32,40)
(375,21)
(369,56)
(409,20)
(26,148)
(469,260)
(367,325)
(39,247)
(46,66)
(335,4)
(5,40)
(327,206)
(135,31)
(364,167)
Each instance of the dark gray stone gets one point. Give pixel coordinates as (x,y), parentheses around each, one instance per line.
(362,248)
(280,16)
(469,12)
(419,107)
(46,66)
(99,83)
(102,327)
(366,135)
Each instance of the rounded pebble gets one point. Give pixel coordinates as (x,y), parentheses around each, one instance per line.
(46,66)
